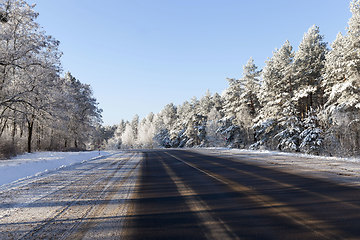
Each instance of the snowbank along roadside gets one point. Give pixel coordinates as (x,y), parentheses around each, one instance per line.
(28,165)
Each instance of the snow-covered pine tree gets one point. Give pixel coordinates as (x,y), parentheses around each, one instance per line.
(232,134)
(115,141)
(311,138)
(164,123)
(232,100)
(344,95)
(218,102)
(335,73)
(195,130)
(291,127)
(80,112)
(241,105)
(231,125)
(275,93)
(249,102)
(352,55)
(128,138)
(249,105)
(213,137)
(265,132)
(178,134)
(309,61)
(146,132)
(335,69)
(135,126)
(206,103)
(343,102)
(276,87)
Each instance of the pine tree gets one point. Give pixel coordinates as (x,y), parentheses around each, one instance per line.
(277,85)
(274,95)
(345,93)
(194,127)
(249,102)
(146,132)
(135,126)
(352,55)
(335,69)
(232,99)
(343,102)
(206,104)
(218,102)
(164,125)
(213,137)
(115,142)
(179,137)
(311,137)
(128,138)
(307,70)
(291,128)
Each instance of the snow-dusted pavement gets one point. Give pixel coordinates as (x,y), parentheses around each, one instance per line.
(53,205)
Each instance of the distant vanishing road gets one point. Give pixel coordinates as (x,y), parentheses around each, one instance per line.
(178,194)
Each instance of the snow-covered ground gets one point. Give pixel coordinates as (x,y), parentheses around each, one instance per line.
(34,164)
(343,170)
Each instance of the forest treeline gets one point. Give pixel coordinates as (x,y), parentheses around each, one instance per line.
(39,109)
(301,101)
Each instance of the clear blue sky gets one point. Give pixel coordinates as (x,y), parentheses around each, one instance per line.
(139,55)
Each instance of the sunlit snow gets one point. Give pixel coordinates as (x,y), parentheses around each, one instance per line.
(31,164)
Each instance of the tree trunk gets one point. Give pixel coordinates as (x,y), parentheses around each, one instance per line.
(30,133)
(51,140)
(39,138)
(13,133)
(3,127)
(311,100)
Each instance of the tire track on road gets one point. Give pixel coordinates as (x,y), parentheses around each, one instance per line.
(120,190)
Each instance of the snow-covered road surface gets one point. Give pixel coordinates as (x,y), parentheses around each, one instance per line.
(66,204)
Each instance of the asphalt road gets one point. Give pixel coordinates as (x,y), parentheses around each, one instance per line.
(178,194)
(186,195)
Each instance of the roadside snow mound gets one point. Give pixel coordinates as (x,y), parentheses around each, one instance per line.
(31,164)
